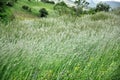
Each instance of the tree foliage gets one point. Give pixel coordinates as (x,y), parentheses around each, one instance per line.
(102,7)
(61,8)
(80,4)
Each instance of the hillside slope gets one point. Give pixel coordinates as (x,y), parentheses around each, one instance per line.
(18,12)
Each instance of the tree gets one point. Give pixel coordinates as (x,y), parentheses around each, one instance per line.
(61,8)
(80,4)
(102,7)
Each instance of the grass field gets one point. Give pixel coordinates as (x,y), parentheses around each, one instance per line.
(61,48)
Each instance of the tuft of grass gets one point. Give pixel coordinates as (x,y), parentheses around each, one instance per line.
(60,48)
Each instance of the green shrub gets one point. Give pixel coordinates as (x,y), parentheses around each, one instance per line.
(43,12)
(27,8)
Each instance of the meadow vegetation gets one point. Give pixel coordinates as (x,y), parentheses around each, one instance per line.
(60,47)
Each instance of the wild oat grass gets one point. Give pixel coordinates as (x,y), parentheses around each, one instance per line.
(61,48)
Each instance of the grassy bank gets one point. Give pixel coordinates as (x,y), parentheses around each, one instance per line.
(61,48)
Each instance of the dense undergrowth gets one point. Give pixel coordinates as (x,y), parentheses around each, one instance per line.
(61,48)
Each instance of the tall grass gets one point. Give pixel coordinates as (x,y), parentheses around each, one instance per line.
(61,48)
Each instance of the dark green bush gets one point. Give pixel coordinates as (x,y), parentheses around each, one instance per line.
(102,7)
(27,8)
(43,12)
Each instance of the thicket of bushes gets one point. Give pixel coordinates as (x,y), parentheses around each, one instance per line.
(62,8)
